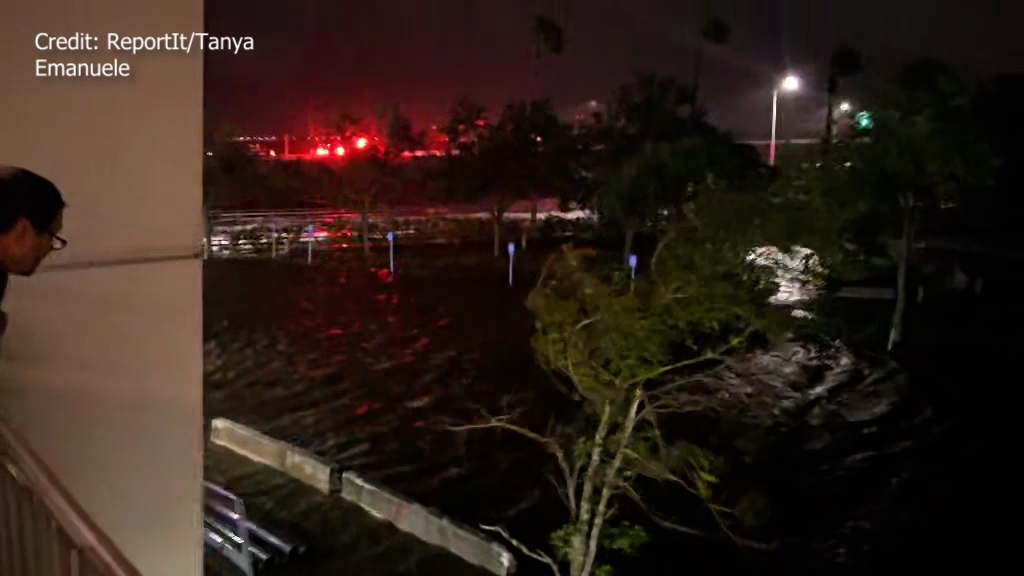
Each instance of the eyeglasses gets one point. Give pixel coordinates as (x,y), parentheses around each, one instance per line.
(58,243)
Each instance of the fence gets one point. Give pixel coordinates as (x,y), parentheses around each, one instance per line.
(43,531)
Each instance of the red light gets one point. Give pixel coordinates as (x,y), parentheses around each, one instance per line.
(340,151)
(322,151)
(361,143)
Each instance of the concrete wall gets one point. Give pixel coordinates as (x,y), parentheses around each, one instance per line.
(427,525)
(406,515)
(291,460)
(101,367)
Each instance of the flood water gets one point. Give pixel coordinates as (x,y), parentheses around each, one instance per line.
(369,370)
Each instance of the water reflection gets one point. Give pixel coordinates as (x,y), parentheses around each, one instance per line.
(366,369)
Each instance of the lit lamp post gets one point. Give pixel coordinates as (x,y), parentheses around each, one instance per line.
(788,84)
(845,107)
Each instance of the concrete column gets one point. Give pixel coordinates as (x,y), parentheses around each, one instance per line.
(101,367)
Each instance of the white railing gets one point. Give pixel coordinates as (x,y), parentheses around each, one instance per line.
(43,531)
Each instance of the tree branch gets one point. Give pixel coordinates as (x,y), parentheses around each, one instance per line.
(660,473)
(631,493)
(692,361)
(578,542)
(535,554)
(611,478)
(549,444)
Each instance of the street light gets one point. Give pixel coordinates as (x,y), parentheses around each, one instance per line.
(845,107)
(790,83)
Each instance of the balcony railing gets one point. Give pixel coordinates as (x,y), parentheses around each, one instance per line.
(43,531)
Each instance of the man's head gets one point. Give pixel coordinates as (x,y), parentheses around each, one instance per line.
(31,218)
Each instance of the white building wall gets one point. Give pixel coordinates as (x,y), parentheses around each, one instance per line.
(101,366)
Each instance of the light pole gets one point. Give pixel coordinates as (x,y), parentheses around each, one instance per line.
(788,84)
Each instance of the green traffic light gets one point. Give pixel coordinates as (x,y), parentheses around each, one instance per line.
(864,121)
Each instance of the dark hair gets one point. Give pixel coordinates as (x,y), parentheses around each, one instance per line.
(25,194)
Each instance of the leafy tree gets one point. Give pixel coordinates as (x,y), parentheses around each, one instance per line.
(635,191)
(649,108)
(615,344)
(923,153)
(466,125)
(228,173)
(399,133)
(526,153)
(365,183)
(349,125)
(654,159)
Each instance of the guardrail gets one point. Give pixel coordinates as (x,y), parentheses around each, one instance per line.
(43,531)
(228,532)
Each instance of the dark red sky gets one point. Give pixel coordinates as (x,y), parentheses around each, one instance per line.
(326,56)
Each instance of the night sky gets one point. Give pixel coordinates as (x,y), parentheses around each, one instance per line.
(315,58)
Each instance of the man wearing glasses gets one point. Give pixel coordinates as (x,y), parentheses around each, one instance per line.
(31,218)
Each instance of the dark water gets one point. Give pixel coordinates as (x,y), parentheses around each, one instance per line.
(367,370)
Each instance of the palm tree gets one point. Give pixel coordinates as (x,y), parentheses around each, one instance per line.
(548,34)
(844,63)
(714,31)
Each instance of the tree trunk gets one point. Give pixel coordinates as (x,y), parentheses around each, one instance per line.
(529,230)
(611,478)
(833,89)
(627,246)
(497,231)
(579,541)
(698,65)
(902,263)
(366,227)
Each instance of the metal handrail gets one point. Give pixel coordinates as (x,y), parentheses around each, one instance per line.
(194,254)
(68,538)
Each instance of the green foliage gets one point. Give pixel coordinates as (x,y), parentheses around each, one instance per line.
(623,537)
(591,329)
(561,539)
(527,153)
